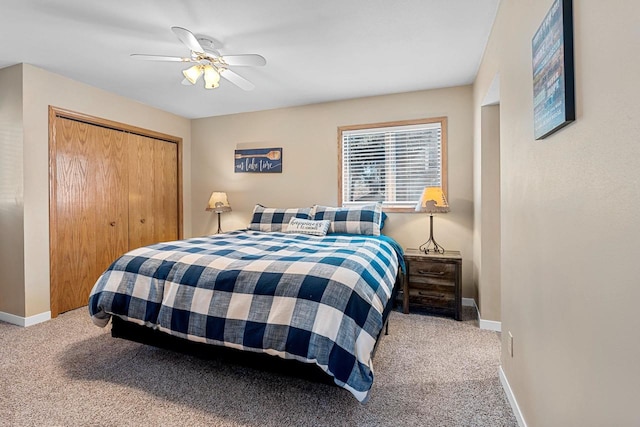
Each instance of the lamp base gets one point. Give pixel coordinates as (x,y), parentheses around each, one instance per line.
(426,246)
(219,229)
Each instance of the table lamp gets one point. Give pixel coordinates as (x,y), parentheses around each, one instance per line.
(218,203)
(432,201)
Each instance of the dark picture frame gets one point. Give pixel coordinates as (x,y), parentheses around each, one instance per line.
(553,71)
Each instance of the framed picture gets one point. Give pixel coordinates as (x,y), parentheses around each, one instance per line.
(553,71)
(258,160)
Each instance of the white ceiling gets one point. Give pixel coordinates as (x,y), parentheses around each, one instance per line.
(316,50)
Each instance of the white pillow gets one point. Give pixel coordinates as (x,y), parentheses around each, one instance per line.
(308,226)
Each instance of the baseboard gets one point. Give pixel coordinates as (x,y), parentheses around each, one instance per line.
(25,321)
(469,302)
(511,398)
(490,325)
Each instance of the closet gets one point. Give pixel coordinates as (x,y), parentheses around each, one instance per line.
(113,188)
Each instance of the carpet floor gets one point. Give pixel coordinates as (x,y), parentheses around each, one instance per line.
(429,371)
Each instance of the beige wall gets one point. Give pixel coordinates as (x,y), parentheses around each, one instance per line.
(308,136)
(487,210)
(569,220)
(41,89)
(11,192)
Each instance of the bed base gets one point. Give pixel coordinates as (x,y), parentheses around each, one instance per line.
(261,361)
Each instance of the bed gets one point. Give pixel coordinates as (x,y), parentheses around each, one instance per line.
(320,300)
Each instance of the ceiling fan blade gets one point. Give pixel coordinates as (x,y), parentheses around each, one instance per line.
(237,80)
(186,82)
(159,58)
(188,39)
(248,60)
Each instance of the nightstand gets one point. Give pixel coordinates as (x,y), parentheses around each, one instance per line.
(433,282)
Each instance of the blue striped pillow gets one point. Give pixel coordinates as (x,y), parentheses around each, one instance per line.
(363,219)
(275,219)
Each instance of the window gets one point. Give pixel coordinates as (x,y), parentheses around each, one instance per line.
(392,162)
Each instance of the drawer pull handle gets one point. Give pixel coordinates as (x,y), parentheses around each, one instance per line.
(112,223)
(430,294)
(431,273)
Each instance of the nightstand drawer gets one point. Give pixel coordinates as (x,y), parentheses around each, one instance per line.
(432,272)
(432,269)
(433,298)
(448,288)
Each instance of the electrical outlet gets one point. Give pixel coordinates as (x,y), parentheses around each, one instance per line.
(510,344)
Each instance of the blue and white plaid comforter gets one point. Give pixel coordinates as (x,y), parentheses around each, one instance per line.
(315,299)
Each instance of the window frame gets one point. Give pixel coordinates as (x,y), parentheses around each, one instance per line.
(400,123)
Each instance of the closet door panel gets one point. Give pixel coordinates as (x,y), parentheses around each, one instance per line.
(165,200)
(112,197)
(75,213)
(141,191)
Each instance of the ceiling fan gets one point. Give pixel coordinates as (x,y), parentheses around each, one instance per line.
(208,62)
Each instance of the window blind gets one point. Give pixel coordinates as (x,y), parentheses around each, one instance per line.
(391,165)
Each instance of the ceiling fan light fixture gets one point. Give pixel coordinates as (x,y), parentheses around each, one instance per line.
(206,59)
(192,74)
(211,77)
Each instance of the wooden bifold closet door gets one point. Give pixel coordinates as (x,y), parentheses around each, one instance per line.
(111,191)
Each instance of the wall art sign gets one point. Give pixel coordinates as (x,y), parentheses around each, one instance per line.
(553,71)
(258,160)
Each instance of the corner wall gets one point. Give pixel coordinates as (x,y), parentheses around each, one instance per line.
(309,138)
(488,212)
(11,192)
(569,219)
